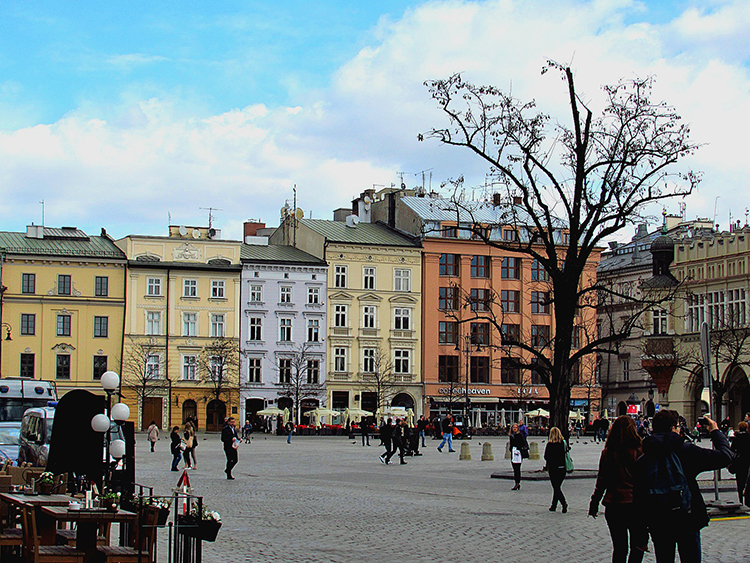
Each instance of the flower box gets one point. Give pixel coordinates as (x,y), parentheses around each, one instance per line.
(205,530)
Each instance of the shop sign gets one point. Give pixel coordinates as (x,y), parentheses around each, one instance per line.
(634,409)
(458,391)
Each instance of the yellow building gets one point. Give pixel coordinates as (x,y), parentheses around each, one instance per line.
(62,304)
(181,353)
(374,311)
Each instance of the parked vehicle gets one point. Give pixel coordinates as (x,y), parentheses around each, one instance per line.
(36,431)
(9,441)
(18,394)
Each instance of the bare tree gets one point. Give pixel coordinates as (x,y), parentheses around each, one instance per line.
(219,365)
(299,376)
(141,370)
(381,379)
(568,186)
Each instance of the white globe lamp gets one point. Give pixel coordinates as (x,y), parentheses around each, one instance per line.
(110,381)
(120,413)
(117,449)
(100,423)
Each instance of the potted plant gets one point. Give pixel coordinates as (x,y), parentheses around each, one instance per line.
(161,506)
(202,524)
(46,482)
(110,500)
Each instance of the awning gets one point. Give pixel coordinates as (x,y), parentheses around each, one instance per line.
(484,399)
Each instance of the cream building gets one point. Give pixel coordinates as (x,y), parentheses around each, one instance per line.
(183,296)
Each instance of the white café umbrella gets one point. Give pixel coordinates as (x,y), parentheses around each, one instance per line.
(503,422)
(270,411)
(537,413)
(285,416)
(410,417)
(575,415)
(322,411)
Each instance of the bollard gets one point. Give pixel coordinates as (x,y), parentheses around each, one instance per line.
(534,450)
(465,453)
(487,452)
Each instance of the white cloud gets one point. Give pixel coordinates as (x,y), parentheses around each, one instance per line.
(126,167)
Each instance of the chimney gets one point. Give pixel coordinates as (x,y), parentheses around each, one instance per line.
(497,200)
(517,200)
(252,227)
(35,231)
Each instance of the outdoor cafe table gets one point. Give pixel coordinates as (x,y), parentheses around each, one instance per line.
(46,526)
(88,522)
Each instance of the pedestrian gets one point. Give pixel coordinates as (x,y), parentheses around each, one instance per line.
(289,427)
(614,484)
(231,443)
(726,424)
(519,449)
(189,437)
(422,428)
(386,434)
(603,428)
(153,434)
(522,428)
(176,447)
(741,463)
(246,431)
(666,490)
(447,428)
(398,438)
(364,426)
(554,457)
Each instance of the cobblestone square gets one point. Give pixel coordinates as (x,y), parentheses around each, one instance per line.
(327,499)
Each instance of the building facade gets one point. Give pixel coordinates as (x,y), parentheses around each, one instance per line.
(181,343)
(63,304)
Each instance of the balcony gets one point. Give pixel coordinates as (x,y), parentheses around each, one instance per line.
(339,376)
(340,331)
(369,332)
(402,334)
(659,360)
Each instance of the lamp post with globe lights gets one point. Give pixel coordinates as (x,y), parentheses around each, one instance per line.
(103,423)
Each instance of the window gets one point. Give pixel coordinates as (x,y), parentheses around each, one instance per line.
(101,327)
(285,330)
(449,264)
(368,360)
(479,299)
(448,369)
(313,295)
(63,284)
(62,367)
(215,368)
(256,293)
(313,372)
(339,360)
(339,316)
(510,301)
(63,325)
(510,333)
(28,283)
(510,269)
(539,336)
(190,288)
(480,369)
(736,308)
(575,338)
(189,324)
(189,367)
(401,279)
(100,366)
(313,330)
(660,321)
(448,298)
(339,276)
(255,325)
(401,361)
(535,372)
(27,366)
(253,370)
(509,371)
(153,364)
(285,370)
(101,286)
(480,334)
(285,295)
(449,232)
(510,234)
(538,273)
(368,316)
(153,287)
(625,364)
(28,324)
(153,322)
(368,278)
(447,332)
(480,266)
(401,318)
(217,289)
(217,326)
(540,302)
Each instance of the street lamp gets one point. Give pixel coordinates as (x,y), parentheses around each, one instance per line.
(468,339)
(103,422)
(7,328)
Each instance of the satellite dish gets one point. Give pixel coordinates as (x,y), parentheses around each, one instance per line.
(284,212)
(196,233)
(367,200)
(183,230)
(298,213)
(211,233)
(352,221)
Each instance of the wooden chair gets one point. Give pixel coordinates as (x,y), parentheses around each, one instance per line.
(67,536)
(145,540)
(36,553)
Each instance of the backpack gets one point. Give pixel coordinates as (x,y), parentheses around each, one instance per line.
(662,487)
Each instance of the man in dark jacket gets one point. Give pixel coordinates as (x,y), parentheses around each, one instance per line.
(386,433)
(680,528)
(231,442)
(399,441)
(447,426)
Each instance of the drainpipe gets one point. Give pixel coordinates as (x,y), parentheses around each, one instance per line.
(166,355)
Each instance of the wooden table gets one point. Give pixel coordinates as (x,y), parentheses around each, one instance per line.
(88,522)
(46,525)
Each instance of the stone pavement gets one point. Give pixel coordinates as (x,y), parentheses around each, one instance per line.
(326,499)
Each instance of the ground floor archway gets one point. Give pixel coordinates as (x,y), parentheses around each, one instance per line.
(216,412)
(189,411)
(403,400)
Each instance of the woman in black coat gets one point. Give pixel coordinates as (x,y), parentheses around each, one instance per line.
(554,456)
(741,464)
(175,447)
(519,449)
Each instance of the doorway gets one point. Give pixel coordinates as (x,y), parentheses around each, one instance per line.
(216,411)
(153,409)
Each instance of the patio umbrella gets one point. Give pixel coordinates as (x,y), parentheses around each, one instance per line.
(347,416)
(285,416)
(410,417)
(575,415)
(520,415)
(537,413)
(270,411)
(357,414)
(503,422)
(325,412)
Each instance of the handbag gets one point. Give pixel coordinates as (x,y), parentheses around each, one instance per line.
(568,459)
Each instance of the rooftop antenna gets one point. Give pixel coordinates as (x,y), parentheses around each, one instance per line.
(294,216)
(747,212)
(401,175)
(716,203)
(42,202)
(169,217)
(210,214)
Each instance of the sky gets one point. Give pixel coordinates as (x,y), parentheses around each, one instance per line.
(135,115)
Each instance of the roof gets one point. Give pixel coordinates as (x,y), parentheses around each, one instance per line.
(362,233)
(60,242)
(278,253)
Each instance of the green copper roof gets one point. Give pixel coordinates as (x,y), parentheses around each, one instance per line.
(362,233)
(71,243)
